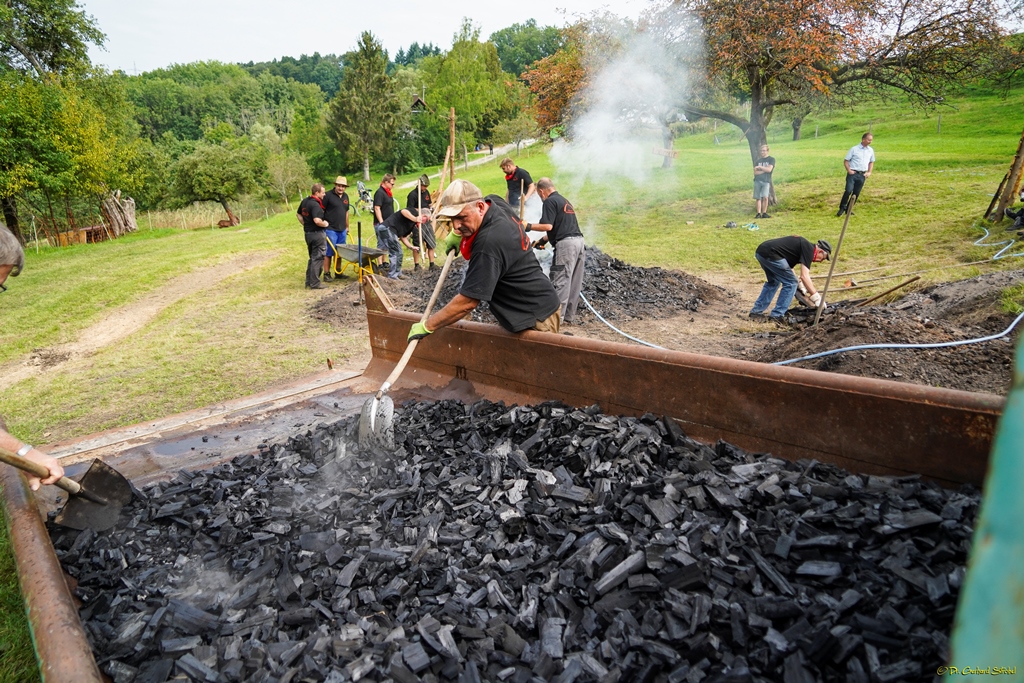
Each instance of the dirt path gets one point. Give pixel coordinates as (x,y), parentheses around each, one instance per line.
(127,320)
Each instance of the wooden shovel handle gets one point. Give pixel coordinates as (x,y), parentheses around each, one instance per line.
(426,314)
(34,468)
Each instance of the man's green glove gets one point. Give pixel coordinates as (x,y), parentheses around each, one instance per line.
(418,331)
(452,241)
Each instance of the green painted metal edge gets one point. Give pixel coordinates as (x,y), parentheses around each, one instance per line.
(988,632)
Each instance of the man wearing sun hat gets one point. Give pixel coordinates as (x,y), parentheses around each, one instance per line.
(336,214)
(502,269)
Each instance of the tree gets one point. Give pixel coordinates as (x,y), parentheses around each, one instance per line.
(516,130)
(366,112)
(520,45)
(414,55)
(63,138)
(561,82)
(286,171)
(218,172)
(46,36)
(558,80)
(469,78)
(309,137)
(774,52)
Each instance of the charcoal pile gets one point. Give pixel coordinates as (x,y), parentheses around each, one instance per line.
(521,544)
(618,290)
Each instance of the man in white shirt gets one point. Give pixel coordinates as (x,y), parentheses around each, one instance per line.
(859,162)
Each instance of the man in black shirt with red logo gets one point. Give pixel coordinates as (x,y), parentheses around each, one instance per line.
(401,224)
(419,200)
(558,220)
(311,215)
(520,184)
(778,257)
(502,270)
(383,207)
(336,205)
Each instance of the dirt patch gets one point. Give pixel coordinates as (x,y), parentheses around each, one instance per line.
(47,358)
(947,312)
(678,311)
(127,320)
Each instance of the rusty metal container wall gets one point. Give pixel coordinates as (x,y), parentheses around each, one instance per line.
(61,647)
(865,425)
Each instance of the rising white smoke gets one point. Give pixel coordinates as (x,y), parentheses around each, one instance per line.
(627,103)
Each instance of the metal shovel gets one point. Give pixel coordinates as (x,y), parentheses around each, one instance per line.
(376,422)
(95,502)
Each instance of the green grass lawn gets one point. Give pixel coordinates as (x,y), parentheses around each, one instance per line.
(252,331)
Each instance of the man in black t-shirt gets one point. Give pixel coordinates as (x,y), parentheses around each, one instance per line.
(419,199)
(336,205)
(778,257)
(311,216)
(763,168)
(502,270)
(401,224)
(520,184)
(383,207)
(558,220)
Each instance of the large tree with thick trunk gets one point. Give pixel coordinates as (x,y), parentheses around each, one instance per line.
(778,52)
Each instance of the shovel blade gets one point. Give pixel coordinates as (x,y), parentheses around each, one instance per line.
(104,481)
(382,433)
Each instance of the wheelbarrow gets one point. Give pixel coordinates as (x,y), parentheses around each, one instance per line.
(351,256)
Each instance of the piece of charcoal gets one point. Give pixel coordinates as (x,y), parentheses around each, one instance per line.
(416,658)
(620,572)
(196,670)
(819,568)
(156,671)
(180,644)
(121,672)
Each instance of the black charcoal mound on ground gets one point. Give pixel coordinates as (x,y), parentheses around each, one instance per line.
(618,290)
(539,543)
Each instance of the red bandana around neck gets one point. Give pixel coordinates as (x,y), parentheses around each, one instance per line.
(318,201)
(388,190)
(466,245)
(510,176)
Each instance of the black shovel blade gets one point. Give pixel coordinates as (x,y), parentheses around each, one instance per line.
(102,481)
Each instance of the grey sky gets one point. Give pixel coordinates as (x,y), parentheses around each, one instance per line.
(142,36)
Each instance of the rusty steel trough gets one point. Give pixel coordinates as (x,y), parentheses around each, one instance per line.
(864,425)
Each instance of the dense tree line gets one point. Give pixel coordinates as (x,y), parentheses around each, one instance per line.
(324,71)
(209,131)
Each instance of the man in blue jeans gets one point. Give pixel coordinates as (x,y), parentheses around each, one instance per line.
(859,163)
(778,258)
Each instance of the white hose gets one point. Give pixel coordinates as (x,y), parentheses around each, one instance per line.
(638,341)
(906,346)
